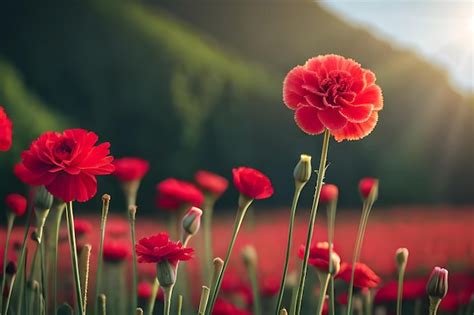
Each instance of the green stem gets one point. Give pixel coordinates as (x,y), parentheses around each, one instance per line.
(401,274)
(332,304)
(74,259)
(102,304)
(98,278)
(131,217)
(207,229)
(298,188)
(312,220)
(58,212)
(10,220)
(152,299)
(43,284)
(168,292)
(331,214)
(257,308)
(243,206)
(434,304)
(203,301)
(180,304)
(324,279)
(7,303)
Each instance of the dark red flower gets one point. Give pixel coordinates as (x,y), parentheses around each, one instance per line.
(329,193)
(334,93)
(24,175)
(366,185)
(117,227)
(67,163)
(159,247)
(16,203)
(222,307)
(82,227)
(173,194)
(144,290)
(270,286)
(364,276)
(412,290)
(318,255)
(130,168)
(116,251)
(210,182)
(252,183)
(6,132)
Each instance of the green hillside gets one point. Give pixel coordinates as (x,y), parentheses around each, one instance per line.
(185,95)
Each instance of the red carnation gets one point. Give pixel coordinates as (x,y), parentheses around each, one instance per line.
(334,93)
(329,193)
(6,132)
(130,168)
(412,290)
(144,290)
(364,277)
(318,255)
(67,163)
(210,182)
(16,203)
(222,307)
(116,251)
(252,183)
(82,227)
(173,194)
(159,247)
(366,185)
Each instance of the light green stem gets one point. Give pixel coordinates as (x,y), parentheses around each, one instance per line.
(180,304)
(257,308)
(10,220)
(207,229)
(312,220)
(74,259)
(131,217)
(98,278)
(238,223)
(58,212)
(324,280)
(203,301)
(332,304)
(7,303)
(401,274)
(168,292)
(298,188)
(434,304)
(152,299)
(331,215)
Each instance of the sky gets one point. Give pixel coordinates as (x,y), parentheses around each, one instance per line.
(441,31)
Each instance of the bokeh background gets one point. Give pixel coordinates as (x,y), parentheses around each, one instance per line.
(194,85)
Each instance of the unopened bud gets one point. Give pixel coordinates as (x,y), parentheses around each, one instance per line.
(335,262)
(303,169)
(166,274)
(329,193)
(217,264)
(437,286)
(43,199)
(401,257)
(369,188)
(192,221)
(249,256)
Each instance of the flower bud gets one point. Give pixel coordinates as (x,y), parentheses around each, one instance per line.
(369,187)
(16,203)
(43,199)
(192,221)
(166,274)
(437,286)
(303,169)
(401,257)
(335,262)
(329,193)
(249,256)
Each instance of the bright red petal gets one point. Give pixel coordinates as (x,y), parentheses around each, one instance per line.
(357,114)
(371,95)
(293,93)
(356,131)
(332,119)
(307,119)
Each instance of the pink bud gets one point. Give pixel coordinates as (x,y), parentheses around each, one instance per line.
(367,185)
(437,286)
(192,220)
(329,193)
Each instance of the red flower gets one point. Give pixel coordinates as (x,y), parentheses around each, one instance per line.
(412,290)
(173,194)
(116,251)
(222,307)
(159,247)
(67,163)
(366,185)
(329,193)
(82,227)
(450,303)
(270,286)
(16,203)
(318,255)
(129,168)
(364,276)
(335,93)
(210,182)
(6,132)
(144,290)
(24,175)
(252,183)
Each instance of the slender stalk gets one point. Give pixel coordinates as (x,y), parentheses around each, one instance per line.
(168,292)
(238,223)
(131,218)
(9,296)
(298,188)
(207,237)
(10,220)
(152,300)
(257,308)
(102,304)
(324,279)
(312,220)
(401,274)
(58,213)
(203,301)
(43,284)
(434,304)
(84,268)
(74,259)
(180,304)
(98,278)
(332,304)
(331,215)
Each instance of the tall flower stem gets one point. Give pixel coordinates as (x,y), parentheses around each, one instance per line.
(152,299)
(298,188)
(10,220)
(312,220)
(131,218)
(324,280)
(360,238)
(257,308)
(74,259)
(58,209)
(203,301)
(9,296)
(168,292)
(103,222)
(331,215)
(434,304)
(207,230)
(401,274)
(244,204)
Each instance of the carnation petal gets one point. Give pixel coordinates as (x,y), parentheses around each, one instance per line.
(293,93)
(307,119)
(371,95)
(356,131)
(332,119)
(357,114)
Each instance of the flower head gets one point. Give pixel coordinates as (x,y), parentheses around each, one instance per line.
(437,286)
(116,251)
(192,221)
(6,132)
(159,247)
(364,276)
(130,168)
(173,194)
(210,182)
(82,227)
(252,183)
(67,163)
(319,257)
(367,185)
(329,193)
(303,170)
(334,93)
(16,203)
